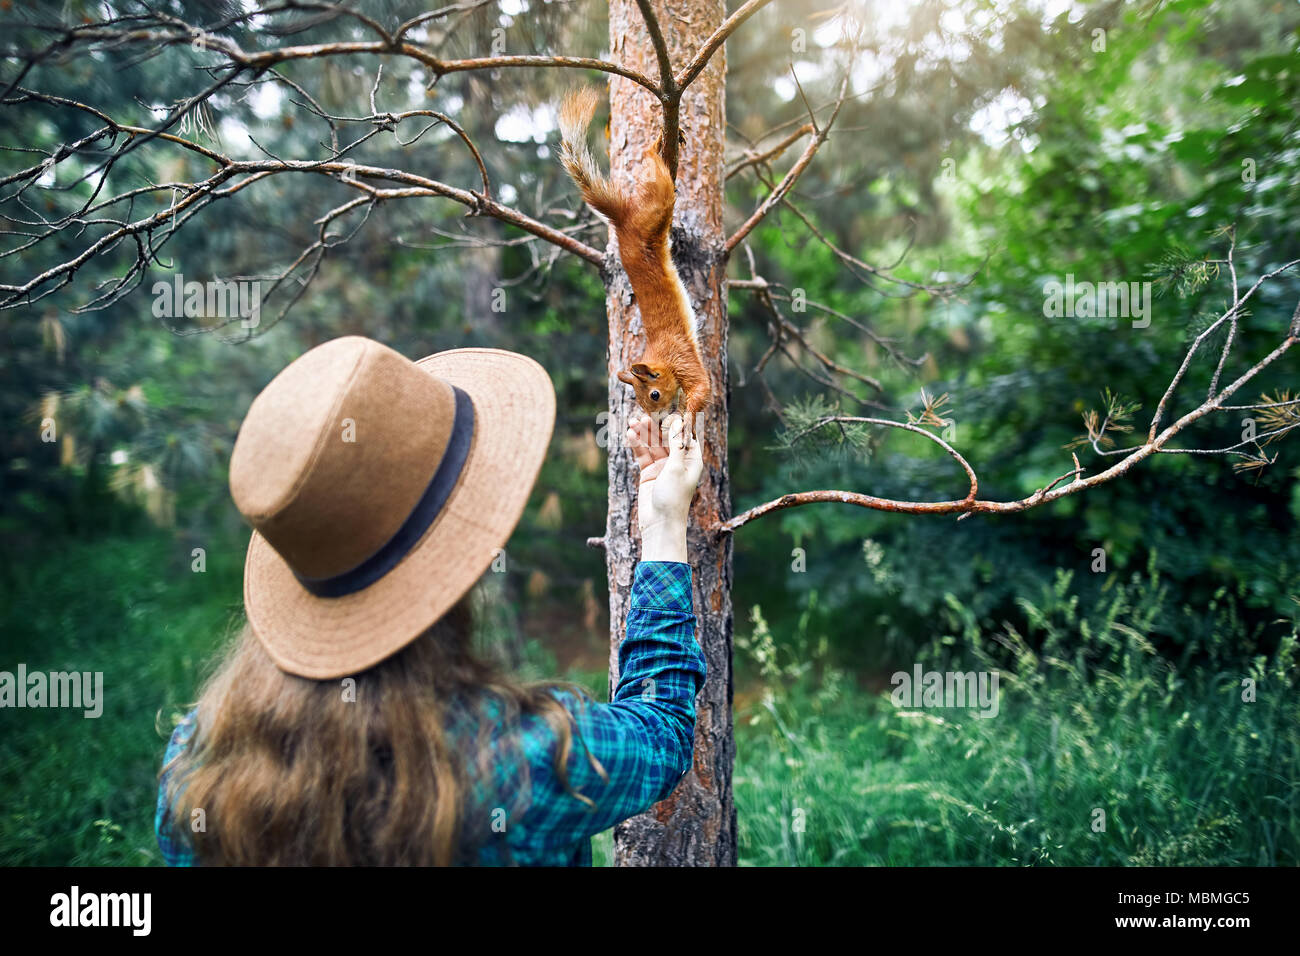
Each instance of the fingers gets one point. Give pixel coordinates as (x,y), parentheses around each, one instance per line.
(658,430)
(649,447)
(676,439)
(693,460)
(638,435)
(685,453)
(668,442)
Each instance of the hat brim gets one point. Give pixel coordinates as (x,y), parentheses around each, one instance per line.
(323,638)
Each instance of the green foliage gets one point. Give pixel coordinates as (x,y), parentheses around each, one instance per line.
(1182,272)
(1139,161)
(809,441)
(1092,718)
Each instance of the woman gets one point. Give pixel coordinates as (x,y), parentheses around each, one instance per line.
(352,722)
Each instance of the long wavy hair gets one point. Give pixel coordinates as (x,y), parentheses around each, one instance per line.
(291,771)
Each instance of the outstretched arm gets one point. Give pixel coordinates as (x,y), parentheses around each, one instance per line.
(643,740)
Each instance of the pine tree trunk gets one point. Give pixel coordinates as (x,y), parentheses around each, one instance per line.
(696,825)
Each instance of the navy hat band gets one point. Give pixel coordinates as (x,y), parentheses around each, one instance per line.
(420,519)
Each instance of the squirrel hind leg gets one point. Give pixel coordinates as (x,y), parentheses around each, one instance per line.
(657,181)
(658,147)
(656,195)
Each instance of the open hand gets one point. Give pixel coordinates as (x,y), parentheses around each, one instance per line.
(670,471)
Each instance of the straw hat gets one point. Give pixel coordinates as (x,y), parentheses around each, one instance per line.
(380,490)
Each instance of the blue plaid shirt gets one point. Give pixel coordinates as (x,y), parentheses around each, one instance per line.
(643,738)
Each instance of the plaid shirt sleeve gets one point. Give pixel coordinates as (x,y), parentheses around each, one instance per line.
(172,841)
(644,738)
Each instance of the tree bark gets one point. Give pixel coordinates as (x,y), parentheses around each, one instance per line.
(696,825)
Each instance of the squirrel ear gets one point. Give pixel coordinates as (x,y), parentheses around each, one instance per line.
(643,371)
(626,377)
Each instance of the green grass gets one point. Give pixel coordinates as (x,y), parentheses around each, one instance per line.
(1091,719)
(77,790)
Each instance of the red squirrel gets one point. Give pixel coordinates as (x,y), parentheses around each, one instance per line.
(671,369)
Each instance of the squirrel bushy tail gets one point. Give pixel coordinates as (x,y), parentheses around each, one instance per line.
(575,116)
(643,214)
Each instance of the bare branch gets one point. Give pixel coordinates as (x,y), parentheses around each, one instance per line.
(182,34)
(1232,331)
(719,37)
(792,176)
(1072,482)
(206,190)
(1233,310)
(906,426)
(752,158)
(669,95)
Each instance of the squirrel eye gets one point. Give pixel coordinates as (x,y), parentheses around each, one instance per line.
(654,395)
